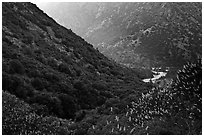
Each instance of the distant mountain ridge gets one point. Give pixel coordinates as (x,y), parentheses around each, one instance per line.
(141,33)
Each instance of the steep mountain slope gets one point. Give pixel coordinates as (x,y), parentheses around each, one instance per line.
(54,82)
(144,34)
(47,64)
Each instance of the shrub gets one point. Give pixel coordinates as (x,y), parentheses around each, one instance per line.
(112,101)
(38,51)
(99,85)
(24,91)
(132,97)
(28,51)
(11,83)
(82,87)
(15,55)
(67,59)
(52,62)
(80,115)
(63,67)
(34,73)
(5,67)
(38,83)
(42,58)
(21,92)
(53,103)
(57,106)
(66,88)
(78,84)
(68,105)
(83,128)
(115,72)
(51,77)
(15,66)
(6,81)
(28,38)
(40,109)
(100,101)
(106,94)
(78,72)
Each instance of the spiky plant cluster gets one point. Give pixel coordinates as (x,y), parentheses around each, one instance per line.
(149,107)
(172,110)
(188,84)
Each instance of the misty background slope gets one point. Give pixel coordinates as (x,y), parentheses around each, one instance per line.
(136,34)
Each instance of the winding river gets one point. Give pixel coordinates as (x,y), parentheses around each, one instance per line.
(157,75)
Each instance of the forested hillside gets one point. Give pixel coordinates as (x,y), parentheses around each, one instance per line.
(54,82)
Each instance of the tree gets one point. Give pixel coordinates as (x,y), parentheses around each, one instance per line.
(11,82)
(24,91)
(68,105)
(38,83)
(63,67)
(15,66)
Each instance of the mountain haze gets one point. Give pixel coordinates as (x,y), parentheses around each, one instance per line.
(129,32)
